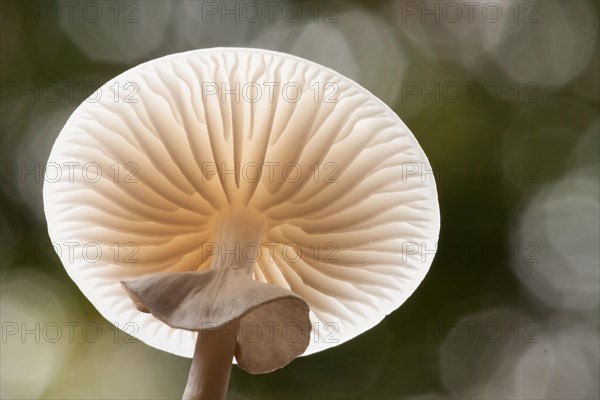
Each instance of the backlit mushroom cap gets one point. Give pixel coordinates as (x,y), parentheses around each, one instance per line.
(341,194)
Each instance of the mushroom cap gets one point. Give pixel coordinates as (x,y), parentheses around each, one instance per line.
(346,197)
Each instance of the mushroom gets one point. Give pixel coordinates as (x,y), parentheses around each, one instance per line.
(241,205)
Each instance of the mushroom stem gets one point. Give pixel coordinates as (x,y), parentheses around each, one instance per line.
(211,365)
(237,234)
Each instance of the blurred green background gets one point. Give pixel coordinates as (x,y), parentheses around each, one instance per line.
(503,97)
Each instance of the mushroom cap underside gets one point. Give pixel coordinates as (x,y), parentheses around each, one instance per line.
(343,190)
